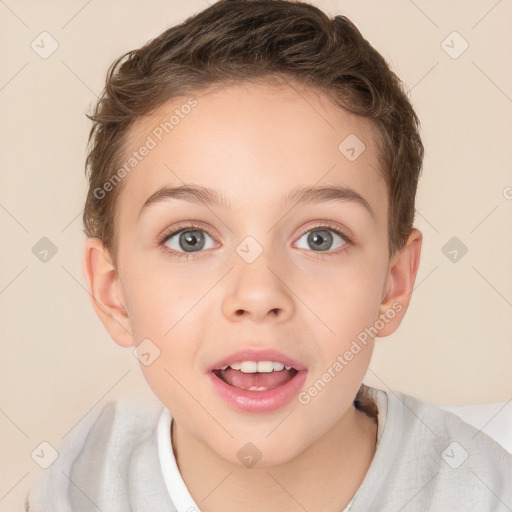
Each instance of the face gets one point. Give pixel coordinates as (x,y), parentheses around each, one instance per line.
(287,277)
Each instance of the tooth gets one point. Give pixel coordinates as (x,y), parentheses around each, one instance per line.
(265,366)
(257,366)
(248,367)
(255,388)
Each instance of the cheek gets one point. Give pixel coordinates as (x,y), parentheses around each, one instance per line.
(161,310)
(350,309)
(158,300)
(347,298)
(349,313)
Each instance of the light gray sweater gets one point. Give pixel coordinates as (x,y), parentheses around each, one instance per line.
(427,459)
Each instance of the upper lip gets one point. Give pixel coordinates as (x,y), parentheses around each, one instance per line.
(253,354)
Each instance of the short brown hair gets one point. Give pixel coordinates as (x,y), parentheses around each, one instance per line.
(242,40)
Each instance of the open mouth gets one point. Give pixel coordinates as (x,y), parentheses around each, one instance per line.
(258,386)
(252,376)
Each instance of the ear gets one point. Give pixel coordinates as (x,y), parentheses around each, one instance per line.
(104,289)
(400,283)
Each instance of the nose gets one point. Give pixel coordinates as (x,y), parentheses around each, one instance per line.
(256,291)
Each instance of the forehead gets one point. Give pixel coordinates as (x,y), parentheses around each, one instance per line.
(253,142)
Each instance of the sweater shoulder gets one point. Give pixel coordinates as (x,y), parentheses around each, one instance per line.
(468,468)
(99,448)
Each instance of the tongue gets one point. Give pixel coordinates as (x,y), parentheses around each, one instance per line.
(242,380)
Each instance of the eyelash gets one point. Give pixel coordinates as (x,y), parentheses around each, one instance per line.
(191,227)
(167,235)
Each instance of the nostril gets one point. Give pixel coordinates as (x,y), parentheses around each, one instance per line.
(241,312)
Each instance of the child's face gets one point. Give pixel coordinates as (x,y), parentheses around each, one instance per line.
(254,144)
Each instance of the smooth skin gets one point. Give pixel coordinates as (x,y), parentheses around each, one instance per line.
(255,143)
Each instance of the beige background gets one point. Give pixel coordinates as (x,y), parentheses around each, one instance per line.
(58,362)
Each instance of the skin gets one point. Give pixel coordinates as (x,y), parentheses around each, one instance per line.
(255,142)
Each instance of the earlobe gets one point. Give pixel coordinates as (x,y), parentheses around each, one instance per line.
(104,289)
(400,283)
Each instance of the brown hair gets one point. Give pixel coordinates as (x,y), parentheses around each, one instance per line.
(246,40)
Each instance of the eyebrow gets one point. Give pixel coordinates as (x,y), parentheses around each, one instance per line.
(204,195)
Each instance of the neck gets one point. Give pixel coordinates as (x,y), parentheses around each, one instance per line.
(324,477)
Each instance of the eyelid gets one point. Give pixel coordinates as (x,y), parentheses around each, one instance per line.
(186,226)
(191,225)
(325,224)
(176,230)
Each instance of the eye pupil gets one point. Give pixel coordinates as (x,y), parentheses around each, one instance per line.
(194,239)
(321,241)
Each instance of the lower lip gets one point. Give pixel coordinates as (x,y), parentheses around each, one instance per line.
(258,401)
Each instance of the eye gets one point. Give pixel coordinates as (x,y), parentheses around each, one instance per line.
(188,240)
(322,238)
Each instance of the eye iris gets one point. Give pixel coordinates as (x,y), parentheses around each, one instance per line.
(194,239)
(321,241)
